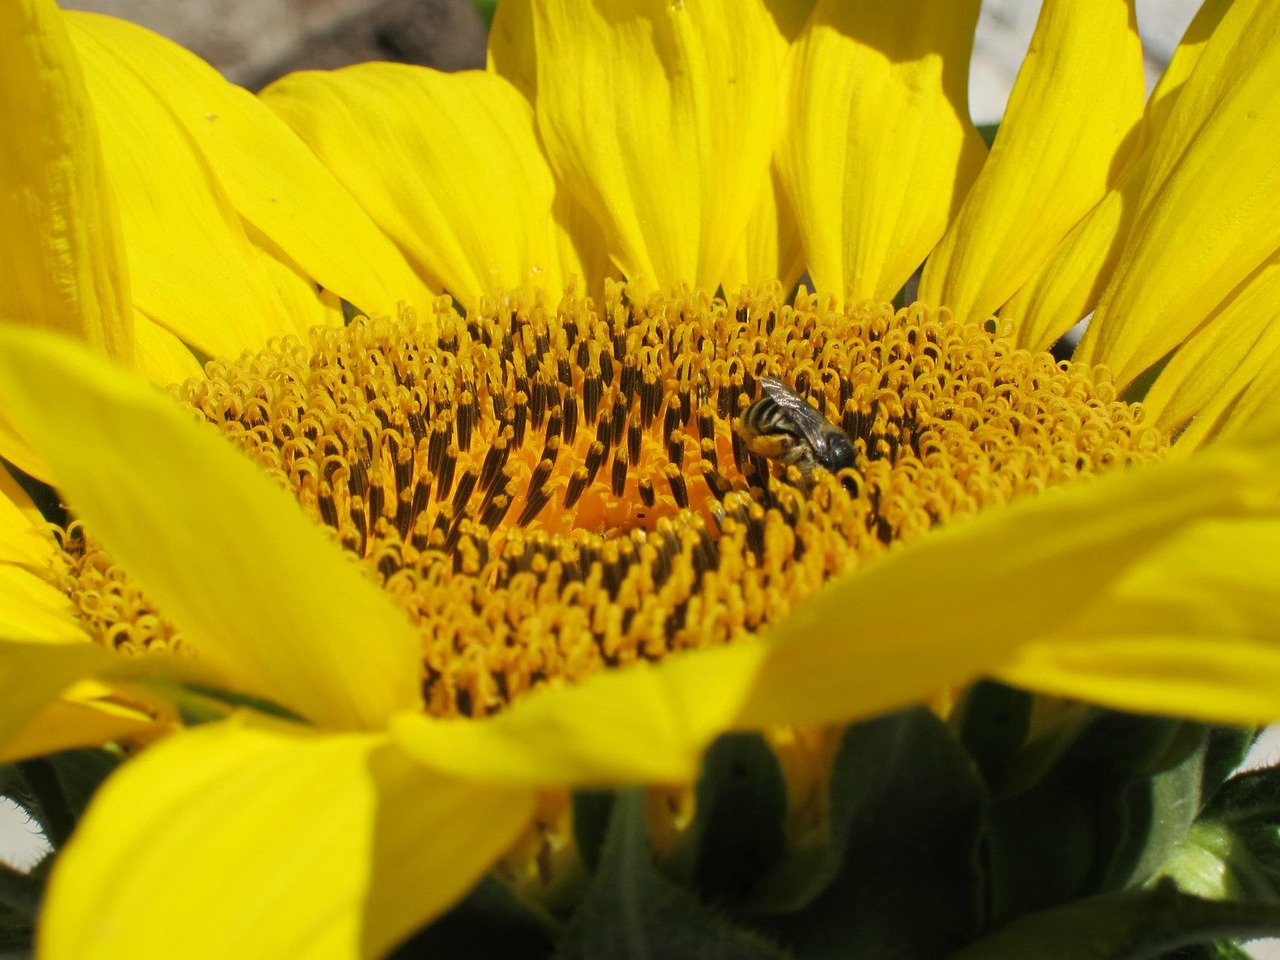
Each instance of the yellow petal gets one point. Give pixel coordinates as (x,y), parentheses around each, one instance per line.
(962,600)
(33,676)
(1189,632)
(1223,356)
(1183,61)
(446,164)
(69,723)
(1205,218)
(511,53)
(1250,394)
(640,724)
(31,609)
(1071,120)
(230,841)
(256,589)
(193,269)
(24,535)
(770,249)
(659,117)
(1067,286)
(63,266)
(877,150)
(269,175)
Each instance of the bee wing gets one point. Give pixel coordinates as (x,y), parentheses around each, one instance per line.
(814,426)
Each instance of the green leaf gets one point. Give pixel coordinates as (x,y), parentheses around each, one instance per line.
(1133,925)
(1104,814)
(632,912)
(906,820)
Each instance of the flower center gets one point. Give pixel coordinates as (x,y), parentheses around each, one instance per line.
(553,491)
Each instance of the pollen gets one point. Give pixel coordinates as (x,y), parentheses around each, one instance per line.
(553,489)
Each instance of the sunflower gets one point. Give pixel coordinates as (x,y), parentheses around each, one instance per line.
(451,497)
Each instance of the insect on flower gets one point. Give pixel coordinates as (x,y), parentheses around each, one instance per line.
(783,426)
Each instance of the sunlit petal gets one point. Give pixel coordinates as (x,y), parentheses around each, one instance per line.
(269,175)
(192,267)
(877,150)
(1189,632)
(255,587)
(1205,218)
(339,845)
(448,167)
(1071,119)
(660,128)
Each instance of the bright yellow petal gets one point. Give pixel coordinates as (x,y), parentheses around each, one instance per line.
(24,535)
(72,722)
(33,610)
(63,266)
(269,175)
(1067,286)
(1226,352)
(1250,394)
(193,269)
(1183,61)
(256,589)
(962,600)
(446,164)
(1072,118)
(230,841)
(635,725)
(1205,219)
(659,117)
(877,150)
(511,53)
(1190,632)
(34,675)
(771,248)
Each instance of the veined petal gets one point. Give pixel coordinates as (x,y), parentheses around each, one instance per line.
(64,264)
(771,248)
(1249,394)
(1183,61)
(1072,116)
(639,724)
(659,117)
(24,536)
(877,150)
(335,846)
(872,642)
(1067,286)
(193,269)
(447,165)
(511,52)
(1189,632)
(1204,219)
(269,175)
(256,588)
(1222,357)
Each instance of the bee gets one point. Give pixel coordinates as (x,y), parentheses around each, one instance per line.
(782,426)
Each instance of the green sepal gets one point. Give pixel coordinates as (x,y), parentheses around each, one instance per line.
(1233,851)
(738,829)
(906,821)
(1131,925)
(1221,950)
(492,921)
(992,722)
(1225,752)
(988,131)
(631,911)
(485,10)
(1092,821)
(592,810)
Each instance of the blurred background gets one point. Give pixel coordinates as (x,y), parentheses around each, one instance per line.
(252,42)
